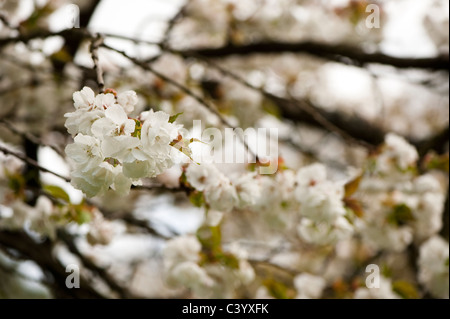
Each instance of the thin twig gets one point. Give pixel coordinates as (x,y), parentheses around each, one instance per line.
(32,162)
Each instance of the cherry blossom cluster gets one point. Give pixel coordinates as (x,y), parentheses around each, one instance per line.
(433,266)
(112,150)
(400,205)
(185,265)
(306,193)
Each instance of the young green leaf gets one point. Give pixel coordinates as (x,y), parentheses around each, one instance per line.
(173,118)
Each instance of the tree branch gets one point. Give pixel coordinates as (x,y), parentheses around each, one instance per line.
(436,142)
(339,53)
(354,130)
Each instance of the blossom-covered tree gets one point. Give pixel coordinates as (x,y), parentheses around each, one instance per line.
(103,167)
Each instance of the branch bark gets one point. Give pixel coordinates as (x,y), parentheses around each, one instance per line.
(339,53)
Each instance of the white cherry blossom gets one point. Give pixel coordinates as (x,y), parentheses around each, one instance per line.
(128,100)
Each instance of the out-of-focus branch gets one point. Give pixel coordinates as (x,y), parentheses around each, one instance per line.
(436,142)
(41,34)
(144,225)
(354,130)
(345,54)
(74,39)
(339,53)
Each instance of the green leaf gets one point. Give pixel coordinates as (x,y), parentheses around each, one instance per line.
(173,118)
(197,198)
(386,271)
(16,182)
(438,162)
(57,192)
(405,290)
(227,259)
(400,215)
(84,216)
(137,129)
(271,108)
(210,238)
(277,289)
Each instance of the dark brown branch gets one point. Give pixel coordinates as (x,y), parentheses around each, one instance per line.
(74,38)
(339,53)
(41,34)
(144,225)
(335,52)
(354,129)
(436,142)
